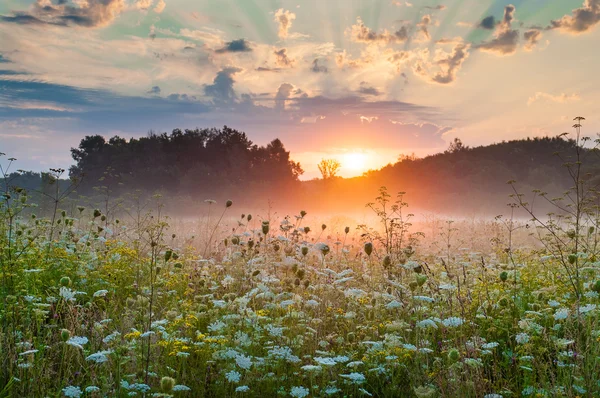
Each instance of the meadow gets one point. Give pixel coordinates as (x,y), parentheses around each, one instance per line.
(127,302)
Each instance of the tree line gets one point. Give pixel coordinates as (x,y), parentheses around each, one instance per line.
(209,161)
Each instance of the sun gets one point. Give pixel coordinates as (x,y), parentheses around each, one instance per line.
(354,161)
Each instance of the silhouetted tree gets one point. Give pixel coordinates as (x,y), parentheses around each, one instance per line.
(185,162)
(329,168)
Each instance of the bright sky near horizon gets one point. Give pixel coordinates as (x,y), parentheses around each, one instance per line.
(361,81)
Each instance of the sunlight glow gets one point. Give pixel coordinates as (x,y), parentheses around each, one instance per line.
(354,161)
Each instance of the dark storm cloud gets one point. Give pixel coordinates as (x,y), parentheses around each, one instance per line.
(506,40)
(366,89)
(488,23)
(235,46)
(281,58)
(154,91)
(318,68)
(95,13)
(222,88)
(581,20)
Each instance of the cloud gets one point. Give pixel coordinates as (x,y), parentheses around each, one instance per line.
(448,40)
(423,26)
(365,131)
(360,33)
(90,14)
(143,4)
(222,88)
(282,60)
(160,6)
(581,20)
(561,98)
(506,39)
(235,46)
(283,93)
(285,19)
(438,7)
(367,89)
(155,90)
(531,37)
(318,68)
(267,69)
(488,23)
(448,63)
(181,97)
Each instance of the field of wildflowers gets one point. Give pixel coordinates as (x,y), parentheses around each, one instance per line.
(95,306)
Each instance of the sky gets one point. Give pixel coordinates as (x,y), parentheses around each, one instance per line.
(361,81)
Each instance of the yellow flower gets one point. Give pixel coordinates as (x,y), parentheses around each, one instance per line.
(133,335)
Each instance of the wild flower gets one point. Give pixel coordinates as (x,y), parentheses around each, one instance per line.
(341,359)
(111,337)
(242,389)
(325,361)
(227,281)
(100,293)
(91,389)
(283,353)
(579,389)
(354,364)
(67,294)
(425,391)
(561,314)
(312,303)
(490,345)
(216,326)
(447,286)
(99,357)
(427,323)
(286,303)
(72,392)
(28,352)
(299,392)
(453,322)
(233,376)
(311,368)
(587,308)
(553,303)
(522,338)
(423,298)
(243,361)
(394,304)
(78,341)
(331,390)
(355,293)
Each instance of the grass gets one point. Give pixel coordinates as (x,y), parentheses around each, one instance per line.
(123,309)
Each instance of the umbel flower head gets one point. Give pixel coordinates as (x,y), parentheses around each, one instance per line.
(167,384)
(368,248)
(323,248)
(425,391)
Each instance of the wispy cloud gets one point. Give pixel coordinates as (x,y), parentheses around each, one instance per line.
(284,19)
(560,98)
